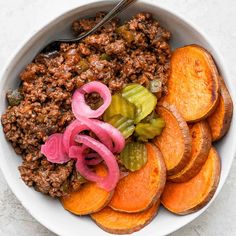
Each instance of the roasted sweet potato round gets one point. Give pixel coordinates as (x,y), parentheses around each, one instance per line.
(193,85)
(124,223)
(220,120)
(201,144)
(89,198)
(191,196)
(137,191)
(175,140)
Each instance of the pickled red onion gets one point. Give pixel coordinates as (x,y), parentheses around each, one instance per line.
(74,128)
(54,149)
(79,106)
(82,124)
(110,181)
(74,151)
(60,148)
(91,159)
(97,129)
(83,169)
(115,134)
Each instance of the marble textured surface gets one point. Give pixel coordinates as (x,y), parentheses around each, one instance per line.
(21,18)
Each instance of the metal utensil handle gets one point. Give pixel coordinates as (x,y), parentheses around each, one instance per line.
(118,8)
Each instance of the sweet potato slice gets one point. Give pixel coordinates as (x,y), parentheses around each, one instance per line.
(175,140)
(188,197)
(90,198)
(220,120)
(201,145)
(124,223)
(137,191)
(193,85)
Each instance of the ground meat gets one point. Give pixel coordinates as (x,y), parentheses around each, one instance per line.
(46,177)
(137,51)
(117,47)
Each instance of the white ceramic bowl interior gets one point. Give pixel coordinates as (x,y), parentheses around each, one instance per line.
(49,211)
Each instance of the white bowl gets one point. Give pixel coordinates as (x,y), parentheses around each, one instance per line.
(48,211)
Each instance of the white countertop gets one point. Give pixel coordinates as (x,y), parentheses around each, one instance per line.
(19,18)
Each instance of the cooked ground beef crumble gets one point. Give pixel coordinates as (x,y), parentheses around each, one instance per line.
(137,51)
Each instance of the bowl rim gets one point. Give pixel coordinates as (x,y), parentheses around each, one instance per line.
(40,31)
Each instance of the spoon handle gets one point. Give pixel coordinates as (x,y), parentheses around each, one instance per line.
(117,9)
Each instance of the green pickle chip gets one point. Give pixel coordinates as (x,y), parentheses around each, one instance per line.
(134,156)
(123,124)
(150,117)
(135,106)
(142,98)
(120,106)
(146,131)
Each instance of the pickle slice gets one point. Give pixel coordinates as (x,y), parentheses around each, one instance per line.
(120,106)
(151,116)
(143,99)
(146,131)
(134,156)
(123,124)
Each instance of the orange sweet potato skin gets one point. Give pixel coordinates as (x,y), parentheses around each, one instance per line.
(201,144)
(193,86)
(220,120)
(191,196)
(137,191)
(175,140)
(89,198)
(124,223)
